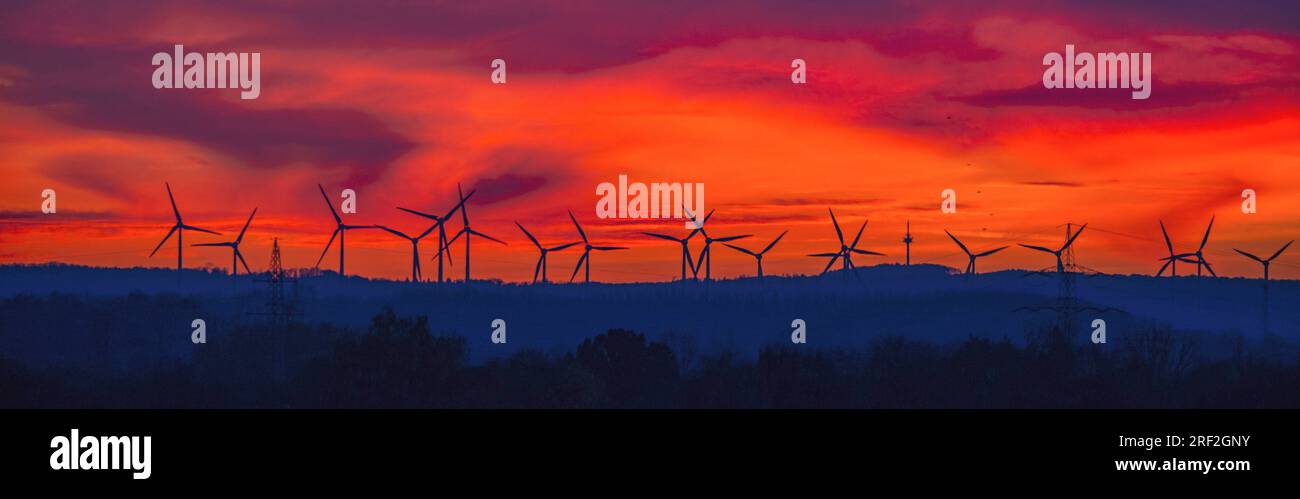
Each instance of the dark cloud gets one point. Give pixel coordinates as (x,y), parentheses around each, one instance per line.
(109,89)
(509,186)
(1163,95)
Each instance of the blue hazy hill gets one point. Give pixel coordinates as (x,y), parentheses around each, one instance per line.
(72,315)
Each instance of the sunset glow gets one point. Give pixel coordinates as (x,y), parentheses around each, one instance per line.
(901,103)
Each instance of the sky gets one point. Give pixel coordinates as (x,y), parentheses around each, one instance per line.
(904,99)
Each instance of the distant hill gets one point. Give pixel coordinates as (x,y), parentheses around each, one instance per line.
(842,310)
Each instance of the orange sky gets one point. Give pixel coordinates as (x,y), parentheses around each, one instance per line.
(898,107)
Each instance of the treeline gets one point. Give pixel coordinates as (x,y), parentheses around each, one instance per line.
(399,363)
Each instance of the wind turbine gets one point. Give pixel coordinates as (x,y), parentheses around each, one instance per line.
(541,260)
(758,256)
(416,273)
(586,252)
(686,253)
(1200,255)
(706,256)
(234,248)
(1171,261)
(440,222)
(1060,266)
(178,229)
(467,231)
(846,251)
(970,267)
(1265,261)
(340,231)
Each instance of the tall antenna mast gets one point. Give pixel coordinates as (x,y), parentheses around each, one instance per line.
(907,240)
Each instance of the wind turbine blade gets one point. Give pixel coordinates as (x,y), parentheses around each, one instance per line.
(245,229)
(426,232)
(464,214)
(446,248)
(1075,236)
(1248,255)
(454,238)
(742,250)
(421,214)
(1206,239)
(173,200)
(1165,266)
(859,236)
(330,205)
(538,269)
(954,239)
(773,243)
(838,233)
(214,244)
(240,256)
(1279,252)
(485,236)
(164,240)
(578,266)
(562,247)
(729,238)
(661,236)
(199,229)
(608,248)
(394,232)
(1040,248)
(990,252)
(327,246)
(1209,267)
(575,224)
(530,236)
(459,205)
(865,252)
(823,255)
(1168,244)
(831,263)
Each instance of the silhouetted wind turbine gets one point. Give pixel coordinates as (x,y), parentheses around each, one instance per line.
(1060,266)
(706,256)
(970,267)
(178,229)
(1265,261)
(1171,261)
(234,248)
(340,231)
(1200,255)
(541,260)
(467,231)
(757,256)
(686,253)
(846,251)
(586,252)
(416,273)
(441,222)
